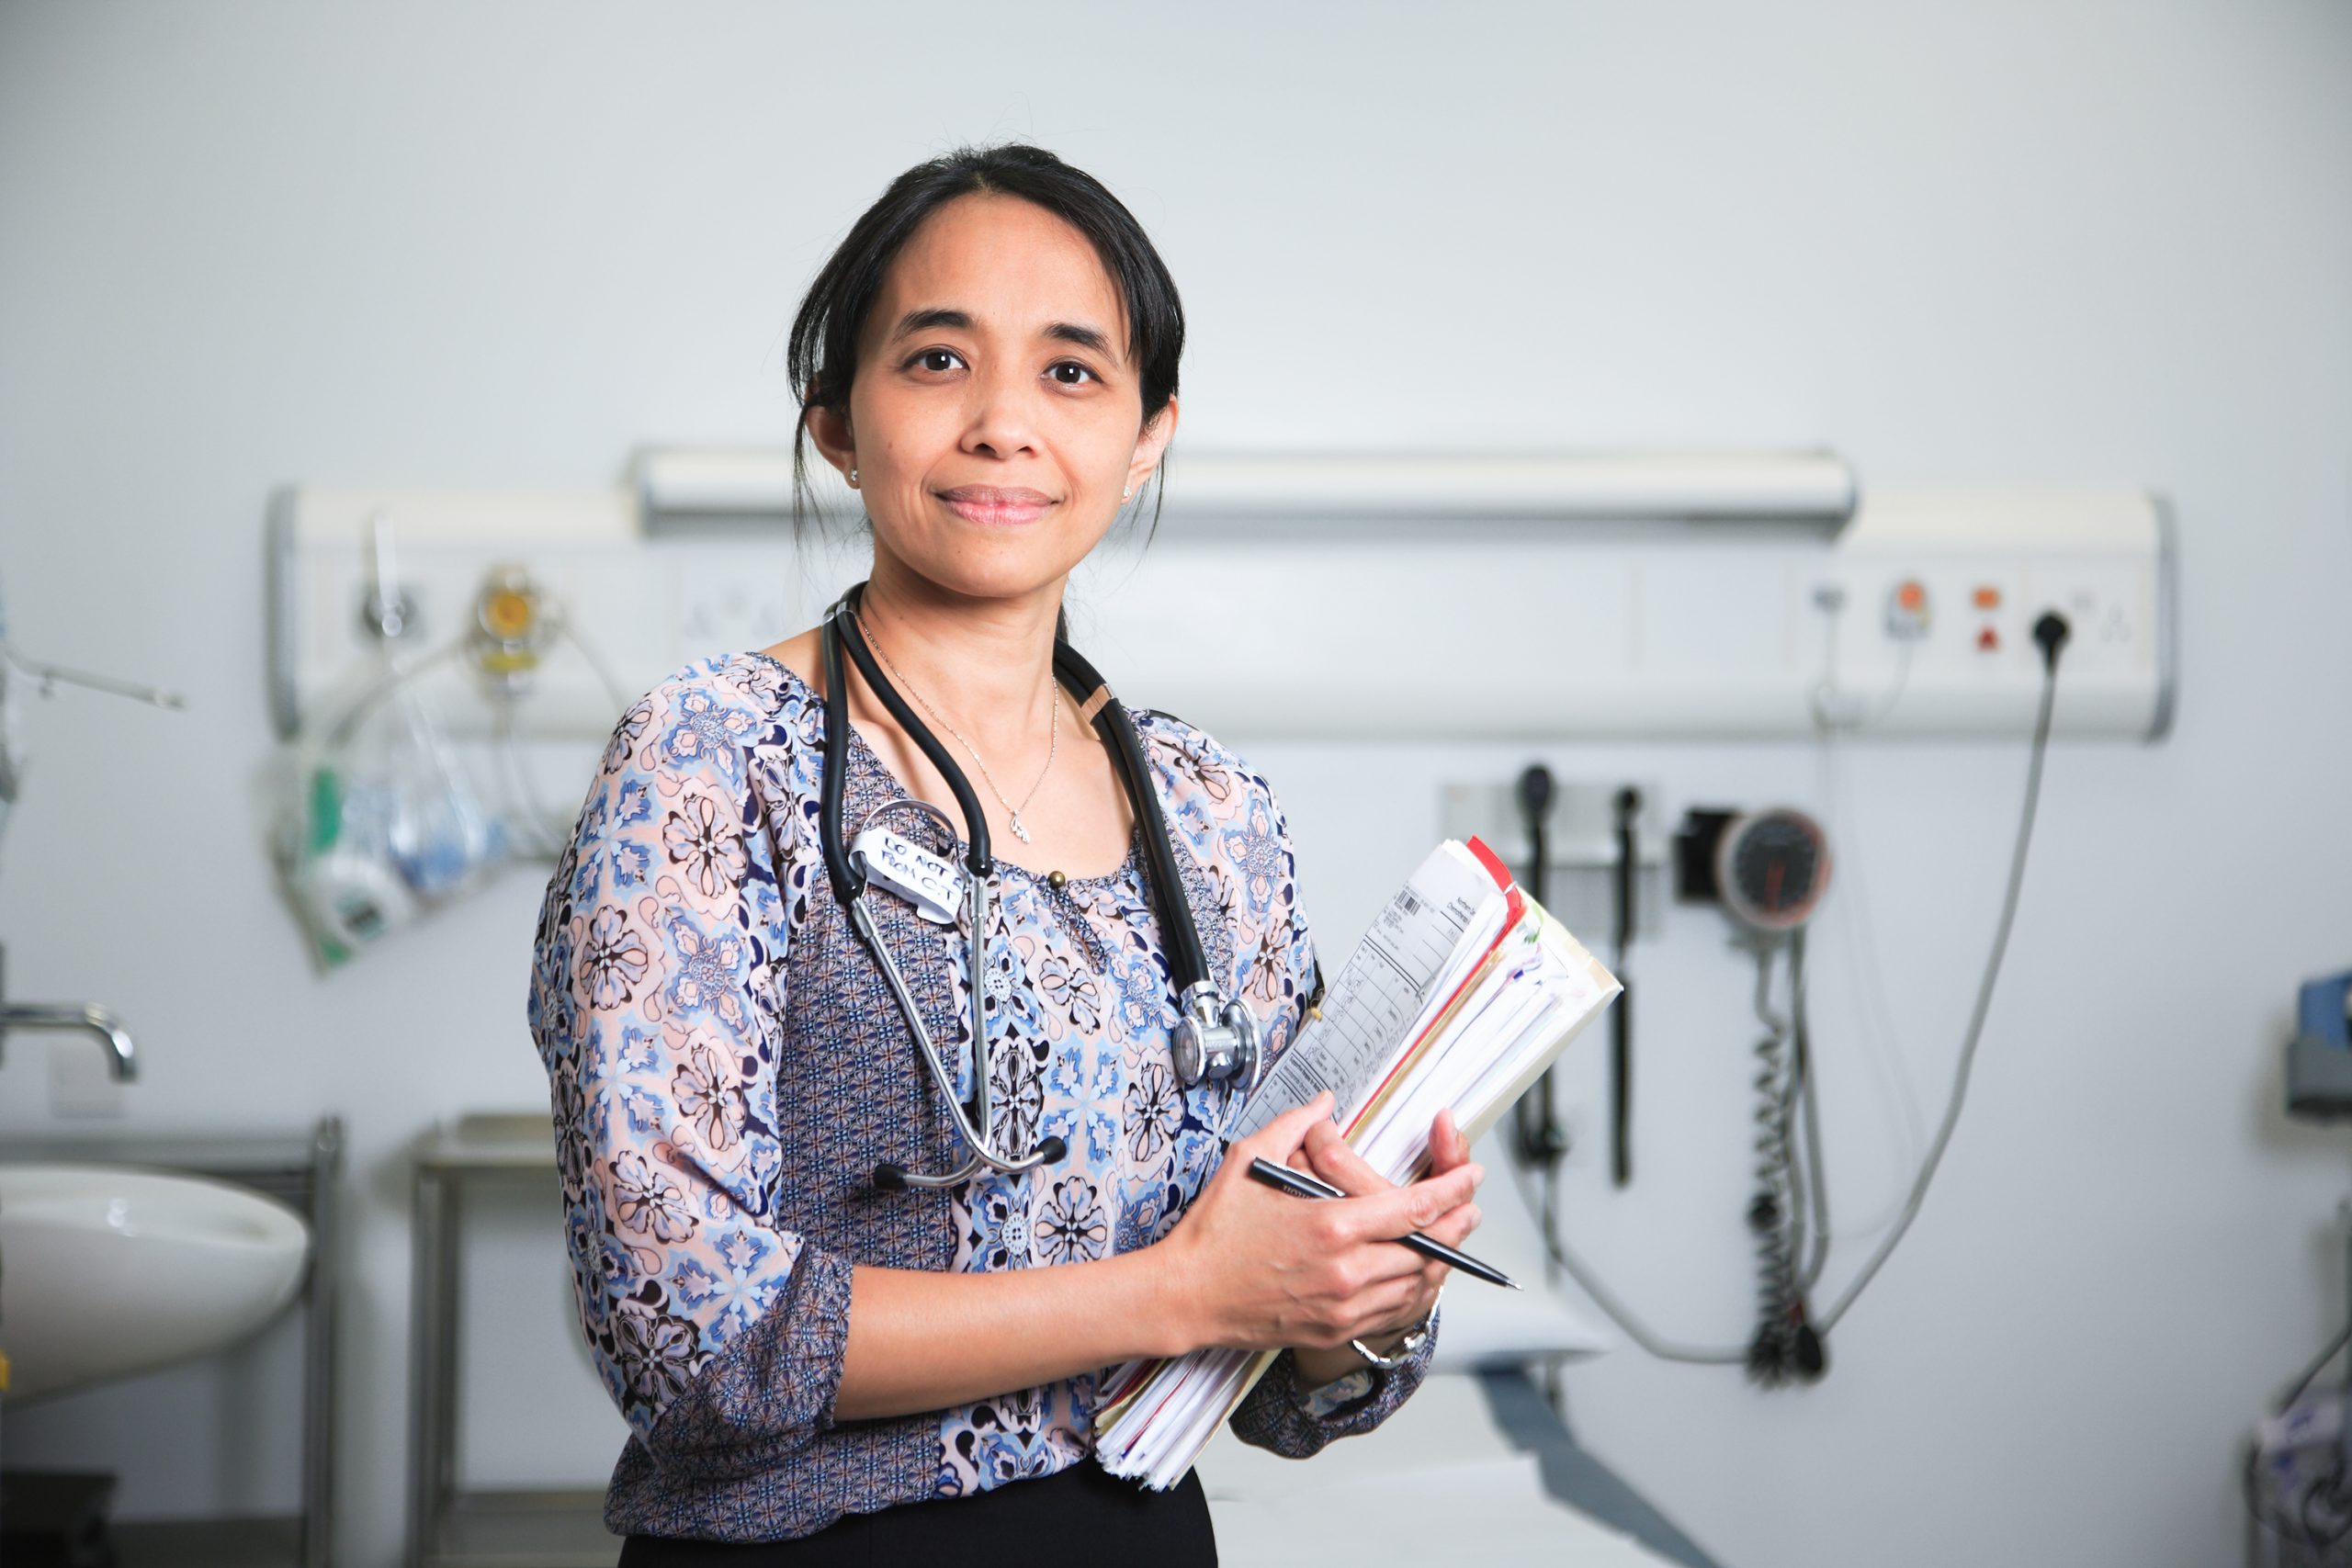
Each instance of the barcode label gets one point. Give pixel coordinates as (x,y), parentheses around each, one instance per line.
(1411,901)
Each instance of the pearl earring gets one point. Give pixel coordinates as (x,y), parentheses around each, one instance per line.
(853,475)
(1129,493)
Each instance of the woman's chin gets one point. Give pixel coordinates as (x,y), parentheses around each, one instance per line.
(994,562)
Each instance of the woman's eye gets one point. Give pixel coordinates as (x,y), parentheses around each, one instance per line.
(939,359)
(1070,373)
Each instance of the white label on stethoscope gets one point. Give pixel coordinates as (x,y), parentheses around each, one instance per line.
(934,886)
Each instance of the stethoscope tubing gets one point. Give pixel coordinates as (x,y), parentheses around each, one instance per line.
(1188,964)
(1187,961)
(852,637)
(849,882)
(983,1151)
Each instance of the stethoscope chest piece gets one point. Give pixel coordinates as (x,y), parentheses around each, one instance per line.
(1215,1040)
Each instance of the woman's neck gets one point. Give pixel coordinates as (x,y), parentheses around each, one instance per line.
(985,665)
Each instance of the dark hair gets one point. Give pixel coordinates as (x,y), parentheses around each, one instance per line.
(821,356)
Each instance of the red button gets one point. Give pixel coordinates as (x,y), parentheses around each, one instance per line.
(1989,641)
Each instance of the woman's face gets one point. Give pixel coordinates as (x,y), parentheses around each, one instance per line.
(994,419)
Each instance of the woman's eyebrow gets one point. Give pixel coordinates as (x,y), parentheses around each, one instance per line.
(935,317)
(924,321)
(1085,337)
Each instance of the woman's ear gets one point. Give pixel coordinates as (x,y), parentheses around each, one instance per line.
(828,428)
(1150,445)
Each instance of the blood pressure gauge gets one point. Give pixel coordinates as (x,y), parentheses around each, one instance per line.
(1772,868)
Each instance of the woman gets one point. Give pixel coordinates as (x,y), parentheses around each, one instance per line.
(808,1363)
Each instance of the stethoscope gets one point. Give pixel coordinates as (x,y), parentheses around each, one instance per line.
(1215,1038)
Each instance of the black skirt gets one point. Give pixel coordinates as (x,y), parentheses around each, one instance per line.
(1083,1510)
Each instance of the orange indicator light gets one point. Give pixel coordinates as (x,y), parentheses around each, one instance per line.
(507,614)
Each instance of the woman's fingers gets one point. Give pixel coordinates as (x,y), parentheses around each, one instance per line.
(1455,1228)
(1343,1255)
(1383,1216)
(1279,1139)
(1385,1211)
(1338,1164)
(1448,1147)
(1391,1309)
(1392,1259)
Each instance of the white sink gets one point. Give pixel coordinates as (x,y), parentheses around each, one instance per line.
(107,1270)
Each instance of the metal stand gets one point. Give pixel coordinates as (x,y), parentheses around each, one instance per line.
(302,1175)
(450,1526)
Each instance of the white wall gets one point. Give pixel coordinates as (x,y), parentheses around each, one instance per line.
(247,243)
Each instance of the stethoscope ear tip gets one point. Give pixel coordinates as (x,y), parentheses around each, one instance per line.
(1051,1150)
(890,1178)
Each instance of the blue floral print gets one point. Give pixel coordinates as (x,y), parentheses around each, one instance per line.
(690,917)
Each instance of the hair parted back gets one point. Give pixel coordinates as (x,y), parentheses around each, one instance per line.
(821,356)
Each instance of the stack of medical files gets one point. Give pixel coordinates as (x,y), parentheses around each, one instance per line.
(1460,995)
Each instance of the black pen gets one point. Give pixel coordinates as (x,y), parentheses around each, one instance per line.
(1300,1185)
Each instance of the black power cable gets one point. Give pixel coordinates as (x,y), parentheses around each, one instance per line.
(1543,1140)
(1620,1017)
(2050,634)
(1589,1279)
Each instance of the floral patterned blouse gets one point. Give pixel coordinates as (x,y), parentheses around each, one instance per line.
(725,1070)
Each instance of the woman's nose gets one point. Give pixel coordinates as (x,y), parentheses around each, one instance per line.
(1002,415)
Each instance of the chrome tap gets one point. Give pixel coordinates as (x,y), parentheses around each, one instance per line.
(122,1055)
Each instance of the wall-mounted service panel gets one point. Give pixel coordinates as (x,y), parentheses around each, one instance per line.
(1662,630)
(1913,619)
(644,605)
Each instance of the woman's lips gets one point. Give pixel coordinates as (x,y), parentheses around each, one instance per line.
(987,503)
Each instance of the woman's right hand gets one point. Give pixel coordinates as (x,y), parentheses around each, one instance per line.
(1255,1268)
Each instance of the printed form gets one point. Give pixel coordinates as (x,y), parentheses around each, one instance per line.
(1395,982)
(1430,1012)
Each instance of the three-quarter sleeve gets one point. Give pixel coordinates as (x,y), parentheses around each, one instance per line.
(654,1003)
(1282,1417)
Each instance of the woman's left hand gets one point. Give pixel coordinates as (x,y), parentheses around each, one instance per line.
(1326,1153)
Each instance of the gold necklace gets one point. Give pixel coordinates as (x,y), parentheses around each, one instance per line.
(1053,740)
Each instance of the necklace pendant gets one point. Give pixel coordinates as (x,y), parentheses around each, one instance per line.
(1018,830)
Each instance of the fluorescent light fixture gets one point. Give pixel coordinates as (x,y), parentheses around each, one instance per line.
(1817,486)
(754,485)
